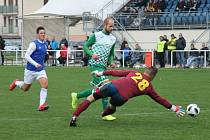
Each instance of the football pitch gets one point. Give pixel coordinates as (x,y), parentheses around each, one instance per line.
(139,119)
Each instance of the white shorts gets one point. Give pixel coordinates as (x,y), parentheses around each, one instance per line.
(30,76)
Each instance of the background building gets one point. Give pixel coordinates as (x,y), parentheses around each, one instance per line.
(11,13)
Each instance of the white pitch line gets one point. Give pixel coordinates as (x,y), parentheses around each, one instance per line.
(63,117)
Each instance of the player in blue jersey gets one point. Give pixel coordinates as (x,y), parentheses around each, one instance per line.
(35,69)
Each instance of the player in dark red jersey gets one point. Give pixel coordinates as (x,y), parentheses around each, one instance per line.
(132,83)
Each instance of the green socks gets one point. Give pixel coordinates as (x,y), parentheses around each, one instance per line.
(84,93)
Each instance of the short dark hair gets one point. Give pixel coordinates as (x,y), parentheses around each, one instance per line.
(39,28)
(152,71)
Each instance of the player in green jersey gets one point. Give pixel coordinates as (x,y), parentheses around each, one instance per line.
(100,56)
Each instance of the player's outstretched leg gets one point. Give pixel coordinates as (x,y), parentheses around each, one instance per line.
(12,86)
(43,107)
(42,103)
(73,122)
(107,117)
(108,111)
(16,83)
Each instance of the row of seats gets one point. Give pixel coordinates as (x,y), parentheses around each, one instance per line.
(184,19)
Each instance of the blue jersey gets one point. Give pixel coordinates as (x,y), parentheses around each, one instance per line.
(38,55)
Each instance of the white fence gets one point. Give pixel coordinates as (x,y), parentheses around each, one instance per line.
(205,58)
(16,57)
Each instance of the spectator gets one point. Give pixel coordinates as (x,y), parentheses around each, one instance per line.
(141,3)
(63,55)
(123,16)
(172,46)
(161,5)
(193,59)
(161,46)
(180,45)
(166,52)
(150,5)
(85,57)
(54,46)
(47,56)
(126,55)
(181,5)
(202,54)
(192,4)
(64,41)
(136,55)
(155,6)
(47,41)
(2,45)
(50,54)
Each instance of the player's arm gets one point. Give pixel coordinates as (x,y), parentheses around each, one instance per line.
(111,55)
(30,50)
(88,44)
(180,111)
(118,73)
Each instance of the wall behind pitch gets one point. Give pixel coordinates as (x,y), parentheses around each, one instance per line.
(148,38)
(53,26)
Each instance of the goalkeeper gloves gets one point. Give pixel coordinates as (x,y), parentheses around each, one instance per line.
(97,73)
(179,110)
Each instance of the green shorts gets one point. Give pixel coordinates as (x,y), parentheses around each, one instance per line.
(96,81)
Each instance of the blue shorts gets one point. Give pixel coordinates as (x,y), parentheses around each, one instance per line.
(109,90)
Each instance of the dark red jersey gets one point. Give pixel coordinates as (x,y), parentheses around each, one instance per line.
(134,83)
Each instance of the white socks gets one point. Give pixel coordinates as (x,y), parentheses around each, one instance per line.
(43,96)
(19,83)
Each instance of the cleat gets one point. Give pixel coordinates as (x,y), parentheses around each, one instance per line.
(73,122)
(43,107)
(13,85)
(108,118)
(74,100)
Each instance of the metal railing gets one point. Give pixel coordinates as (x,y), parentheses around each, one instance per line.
(205,57)
(16,57)
(164,20)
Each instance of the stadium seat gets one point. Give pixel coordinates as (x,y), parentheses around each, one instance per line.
(206,9)
(168,20)
(190,19)
(200,9)
(195,20)
(178,20)
(203,1)
(176,14)
(172,11)
(202,5)
(208,5)
(184,19)
(203,18)
(162,20)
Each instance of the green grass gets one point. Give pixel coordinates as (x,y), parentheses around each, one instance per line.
(141,118)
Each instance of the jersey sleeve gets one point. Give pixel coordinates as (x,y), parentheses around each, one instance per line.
(88,44)
(30,50)
(155,96)
(118,73)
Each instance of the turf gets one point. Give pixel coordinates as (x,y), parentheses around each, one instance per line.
(141,118)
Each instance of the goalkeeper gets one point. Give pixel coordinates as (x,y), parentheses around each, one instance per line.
(102,52)
(132,83)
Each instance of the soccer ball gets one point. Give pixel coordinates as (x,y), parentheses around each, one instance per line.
(193,110)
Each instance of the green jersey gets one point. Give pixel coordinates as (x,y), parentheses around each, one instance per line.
(101,44)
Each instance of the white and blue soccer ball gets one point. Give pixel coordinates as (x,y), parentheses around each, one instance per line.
(193,110)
